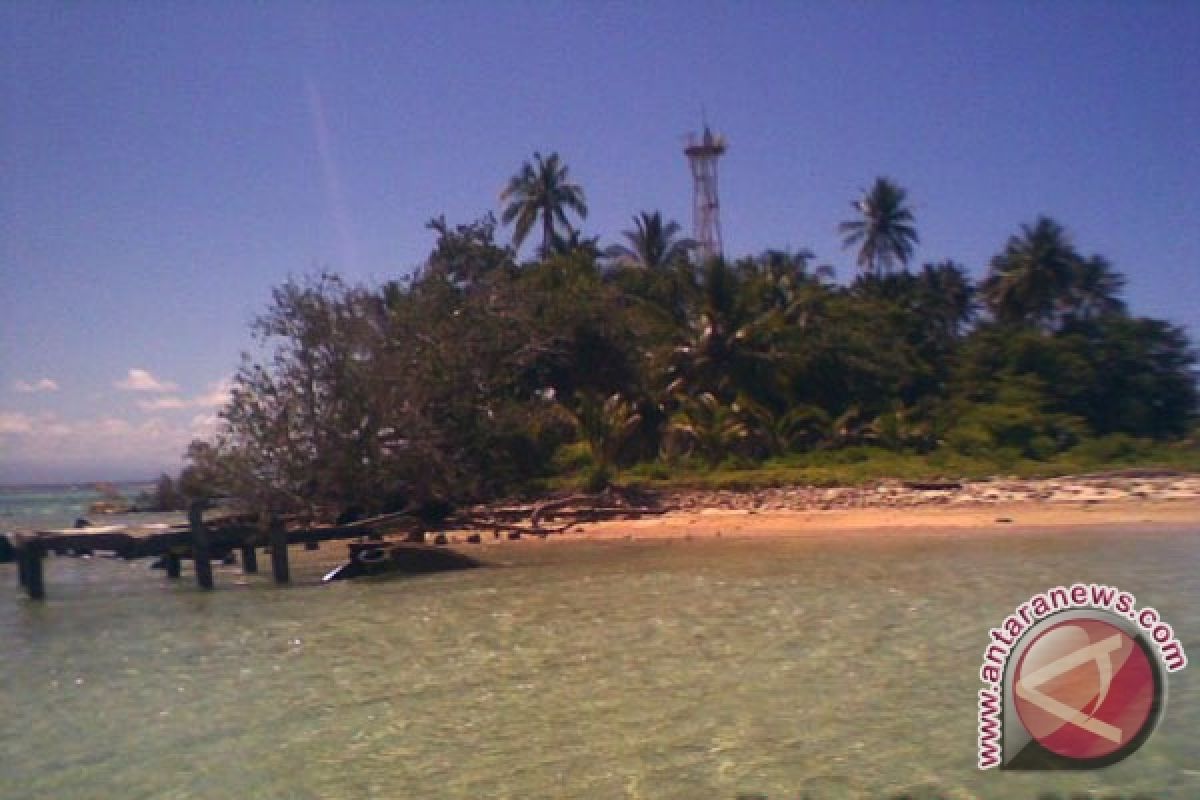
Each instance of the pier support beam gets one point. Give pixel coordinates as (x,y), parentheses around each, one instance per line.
(200,552)
(18,556)
(172,562)
(30,554)
(277,535)
(249,559)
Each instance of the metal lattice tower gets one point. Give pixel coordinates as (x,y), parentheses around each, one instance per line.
(702,155)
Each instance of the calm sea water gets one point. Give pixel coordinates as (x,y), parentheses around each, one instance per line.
(49,507)
(606,670)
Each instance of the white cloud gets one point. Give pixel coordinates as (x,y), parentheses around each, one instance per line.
(165,403)
(216,396)
(112,426)
(203,426)
(140,380)
(15,423)
(31,387)
(53,444)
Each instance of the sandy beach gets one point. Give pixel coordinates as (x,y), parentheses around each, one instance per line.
(1126,500)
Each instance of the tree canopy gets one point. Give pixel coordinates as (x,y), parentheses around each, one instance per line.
(478,377)
(541,189)
(884,231)
(652,244)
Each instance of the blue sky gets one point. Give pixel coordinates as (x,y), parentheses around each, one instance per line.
(163,165)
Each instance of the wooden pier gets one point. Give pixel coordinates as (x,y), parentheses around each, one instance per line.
(201,540)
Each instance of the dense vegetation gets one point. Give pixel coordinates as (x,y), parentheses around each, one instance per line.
(482,376)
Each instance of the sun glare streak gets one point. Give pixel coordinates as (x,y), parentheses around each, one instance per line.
(331,176)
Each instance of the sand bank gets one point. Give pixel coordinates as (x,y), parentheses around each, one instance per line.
(1127,500)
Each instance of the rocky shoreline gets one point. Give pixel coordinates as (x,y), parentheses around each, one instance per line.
(1116,486)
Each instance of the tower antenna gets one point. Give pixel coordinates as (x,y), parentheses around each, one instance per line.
(702,153)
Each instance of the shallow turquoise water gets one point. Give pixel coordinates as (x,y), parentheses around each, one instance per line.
(49,507)
(605,670)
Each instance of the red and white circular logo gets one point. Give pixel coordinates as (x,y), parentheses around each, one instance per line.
(1085,689)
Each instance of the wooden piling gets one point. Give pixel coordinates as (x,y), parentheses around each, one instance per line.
(37,585)
(18,548)
(30,553)
(249,559)
(277,535)
(201,556)
(173,564)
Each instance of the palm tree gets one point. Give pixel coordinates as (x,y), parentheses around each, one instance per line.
(782,266)
(573,242)
(541,189)
(712,428)
(1032,279)
(653,244)
(947,297)
(798,426)
(728,344)
(1096,290)
(605,425)
(780,279)
(884,233)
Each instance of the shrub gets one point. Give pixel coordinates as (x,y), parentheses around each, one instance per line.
(1116,447)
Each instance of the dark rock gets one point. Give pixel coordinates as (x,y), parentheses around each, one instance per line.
(433,511)
(932,486)
(403,557)
(348,515)
(474,538)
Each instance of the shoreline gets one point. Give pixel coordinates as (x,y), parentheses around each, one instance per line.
(889,509)
(981,520)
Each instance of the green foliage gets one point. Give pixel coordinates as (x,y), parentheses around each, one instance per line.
(166,496)
(1001,429)
(477,377)
(1115,448)
(464,255)
(776,433)
(605,425)
(858,466)
(541,189)
(205,477)
(1118,374)
(1041,280)
(707,427)
(652,244)
(597,479)
(884,231)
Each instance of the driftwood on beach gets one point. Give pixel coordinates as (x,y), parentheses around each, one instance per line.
(560,514)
